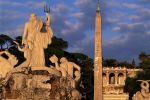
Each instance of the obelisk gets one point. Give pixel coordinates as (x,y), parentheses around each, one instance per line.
(98,94)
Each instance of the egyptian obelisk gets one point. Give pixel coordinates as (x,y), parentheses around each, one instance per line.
(98,95)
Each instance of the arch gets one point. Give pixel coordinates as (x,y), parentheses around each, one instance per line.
(120,78)
(111,78)
(104,79)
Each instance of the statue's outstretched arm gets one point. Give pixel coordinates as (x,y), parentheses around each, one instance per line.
(77,67)
(22,50)
(57,66)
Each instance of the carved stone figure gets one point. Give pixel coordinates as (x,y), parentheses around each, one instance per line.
(32,80)
(144,94)
(77,76)
(67,70)
(27,54)
(38,35)
(69,66)
(6,65)
(62,69)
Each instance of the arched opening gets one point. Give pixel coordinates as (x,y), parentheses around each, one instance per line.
(104,79)
(120,78)
(112,78)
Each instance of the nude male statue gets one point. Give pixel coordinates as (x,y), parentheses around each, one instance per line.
(27,54)
(30,26)
(66,68)
(69,66)
(62,69)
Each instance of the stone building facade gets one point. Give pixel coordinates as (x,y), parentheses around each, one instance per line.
(114,81)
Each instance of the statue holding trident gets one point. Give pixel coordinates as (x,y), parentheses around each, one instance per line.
(37,35)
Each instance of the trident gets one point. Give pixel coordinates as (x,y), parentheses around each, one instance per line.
(47,9)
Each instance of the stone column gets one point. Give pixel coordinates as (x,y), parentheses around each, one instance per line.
(107,78)
(116,78)
(98,79)
(124,77)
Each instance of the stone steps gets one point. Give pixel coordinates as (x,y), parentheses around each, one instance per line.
(115,97)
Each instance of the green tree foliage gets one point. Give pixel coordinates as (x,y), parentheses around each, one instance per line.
(115,63)
(110,62)
(5,40)
(18,39)
(59,43)
(143,57)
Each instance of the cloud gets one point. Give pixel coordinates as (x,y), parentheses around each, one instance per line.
(125,24)
(26,4)
(60,8)
(131,6)
(78,15)
(86,46)
(80,3)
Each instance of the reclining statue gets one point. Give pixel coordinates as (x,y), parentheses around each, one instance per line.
(68,70)
(63,70)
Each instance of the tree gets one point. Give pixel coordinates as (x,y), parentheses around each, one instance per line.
(110,63)
(4,39)
(18,39)
(143,57)
(131,84)
(59,43)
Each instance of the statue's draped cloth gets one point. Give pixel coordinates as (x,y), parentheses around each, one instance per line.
(40,42)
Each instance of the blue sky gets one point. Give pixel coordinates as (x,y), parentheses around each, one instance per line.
(126,24)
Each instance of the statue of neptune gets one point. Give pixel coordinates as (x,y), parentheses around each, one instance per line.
(37,35)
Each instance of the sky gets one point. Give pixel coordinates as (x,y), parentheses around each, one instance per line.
(125,24)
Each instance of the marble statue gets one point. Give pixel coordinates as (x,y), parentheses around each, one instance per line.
(38,35)
(32,80)
(6,65)
(144,94)
(27,54)
(77,76)
(62,69)
(69,70)
(69,66)
(66,68)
